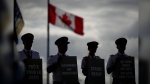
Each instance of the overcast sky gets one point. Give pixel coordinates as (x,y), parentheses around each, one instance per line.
(104,22)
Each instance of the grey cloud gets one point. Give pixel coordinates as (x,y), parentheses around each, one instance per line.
(111,33)
(144,18)
(34,10)
(133,32)
(33,3)
(144,29)
(94,3)
(123,30)
(37,15)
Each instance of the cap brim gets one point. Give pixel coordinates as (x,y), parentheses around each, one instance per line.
(66,43)
(62,43)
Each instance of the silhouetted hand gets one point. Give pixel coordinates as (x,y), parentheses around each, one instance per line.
(59,59)
(55,65)
(117,60)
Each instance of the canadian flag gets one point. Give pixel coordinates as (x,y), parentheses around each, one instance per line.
(64,19)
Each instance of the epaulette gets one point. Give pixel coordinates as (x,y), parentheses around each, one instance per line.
(86,58)
(19,51)
(130,56)
(67,55)
(98,57)
(112,55)
(35,51)
(51,56)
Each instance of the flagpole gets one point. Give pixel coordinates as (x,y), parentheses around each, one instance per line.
(47,38)
(14,31)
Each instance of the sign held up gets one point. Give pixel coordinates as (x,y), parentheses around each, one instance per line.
(33,71)
(69,69)
(96,71)
(126,69)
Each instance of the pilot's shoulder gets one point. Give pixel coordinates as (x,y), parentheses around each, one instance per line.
(52,56)
(35,52)
(67,55)
(128,55)
(85,57)
(20,52)
(98,57)
(113,55)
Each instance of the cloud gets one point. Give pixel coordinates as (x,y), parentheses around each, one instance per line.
(32,3)
(144,28)
(144,18)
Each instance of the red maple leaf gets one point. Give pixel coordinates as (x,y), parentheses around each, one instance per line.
(65,19)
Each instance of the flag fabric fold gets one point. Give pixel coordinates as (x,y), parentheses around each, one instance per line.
(60,18)
(18,21)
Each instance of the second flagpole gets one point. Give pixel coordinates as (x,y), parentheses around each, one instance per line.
(47,37)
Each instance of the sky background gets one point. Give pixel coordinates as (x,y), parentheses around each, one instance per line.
(104,22)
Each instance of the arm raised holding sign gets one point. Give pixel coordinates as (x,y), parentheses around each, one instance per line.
(111,66)
(52,64)
(92,48)
(84,66)
(117,66)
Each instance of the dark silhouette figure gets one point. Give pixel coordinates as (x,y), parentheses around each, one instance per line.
(62,44)
(114,59)
(27,40)
(92,47)
(54,60)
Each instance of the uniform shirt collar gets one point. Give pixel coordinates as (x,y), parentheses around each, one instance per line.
(60,54)
(26,50)
(121,54)
(91,56)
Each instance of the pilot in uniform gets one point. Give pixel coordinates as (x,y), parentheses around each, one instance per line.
(53,63)
(113,60)
(27,53)
(92,47)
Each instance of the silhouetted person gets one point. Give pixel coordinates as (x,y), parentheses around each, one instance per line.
(54,60)
(92,47)
(113,61)
(27,40)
